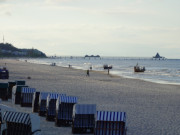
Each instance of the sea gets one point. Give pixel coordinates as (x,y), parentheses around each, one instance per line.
(165,71)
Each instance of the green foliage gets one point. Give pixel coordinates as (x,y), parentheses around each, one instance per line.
(8,50)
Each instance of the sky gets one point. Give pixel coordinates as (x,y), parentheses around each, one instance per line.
(128,28)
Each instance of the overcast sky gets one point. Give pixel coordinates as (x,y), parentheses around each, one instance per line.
(104,27)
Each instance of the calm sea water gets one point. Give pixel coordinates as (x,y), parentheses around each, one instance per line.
(159,71)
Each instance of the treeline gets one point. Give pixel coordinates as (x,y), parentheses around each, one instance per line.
(8,50)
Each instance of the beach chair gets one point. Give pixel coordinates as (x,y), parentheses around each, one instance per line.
(51,105)
(27,96)
(64,109)
(35,101)
(42,103)
(4,91)
(16,94)
(10,86)
(110,123)
(4,73)
(83,118)
(4,108)
(18,123)
(20,82)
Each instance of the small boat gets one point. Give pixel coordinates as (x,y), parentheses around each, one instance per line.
(107,66)
(137,68)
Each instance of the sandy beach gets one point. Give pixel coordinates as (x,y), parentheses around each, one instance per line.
(151,108)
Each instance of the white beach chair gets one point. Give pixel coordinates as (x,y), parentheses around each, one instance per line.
(18,123)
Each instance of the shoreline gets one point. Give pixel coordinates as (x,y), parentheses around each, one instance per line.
(117,75)
(146,104)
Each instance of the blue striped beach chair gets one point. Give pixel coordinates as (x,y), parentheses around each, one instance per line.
(18,123)
(16,94)
(35,102)
(4,108)
(51,105)
(110,123)
(83,118)
(64,109)
(42,103)
(27,96)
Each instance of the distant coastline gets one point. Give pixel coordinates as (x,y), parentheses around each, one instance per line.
(8,50)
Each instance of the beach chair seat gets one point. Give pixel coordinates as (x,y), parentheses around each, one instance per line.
(110,123)
(64,109)
(42,103)
(18,123)
(4,91)
(10,86)
(35,101)
(27,96)
(83,118)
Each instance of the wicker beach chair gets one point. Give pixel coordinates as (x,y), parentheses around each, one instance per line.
(64,109)
(83,118)
(18,123)
(51,105)
(27,96)
(110,123)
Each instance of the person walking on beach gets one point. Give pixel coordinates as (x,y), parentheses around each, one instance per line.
(87,73)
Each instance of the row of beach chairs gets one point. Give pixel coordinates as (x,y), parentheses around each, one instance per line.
(64,110)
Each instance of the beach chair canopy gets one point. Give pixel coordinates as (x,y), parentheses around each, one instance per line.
(111,116)
(65,99)
(23,118)
(84,109)
(4,85)
(4,108)
(53,96)
(27,90)
(20,82)
(43,95)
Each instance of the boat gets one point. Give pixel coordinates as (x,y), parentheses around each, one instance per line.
(107,66)
(137,68)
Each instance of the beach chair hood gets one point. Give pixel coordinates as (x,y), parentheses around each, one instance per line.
(111,116)
(84,109)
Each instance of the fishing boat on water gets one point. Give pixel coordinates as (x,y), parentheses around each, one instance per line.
(107,66)
(137,68)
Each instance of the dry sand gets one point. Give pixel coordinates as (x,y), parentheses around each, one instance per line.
(152,108)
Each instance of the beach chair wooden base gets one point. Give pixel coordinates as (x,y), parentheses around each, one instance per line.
(35,109)
(42,113)
(4,98)
(50,117)
(62,122)
(78,130)
(26,104)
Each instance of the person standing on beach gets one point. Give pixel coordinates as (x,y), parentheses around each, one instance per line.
(87,72)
